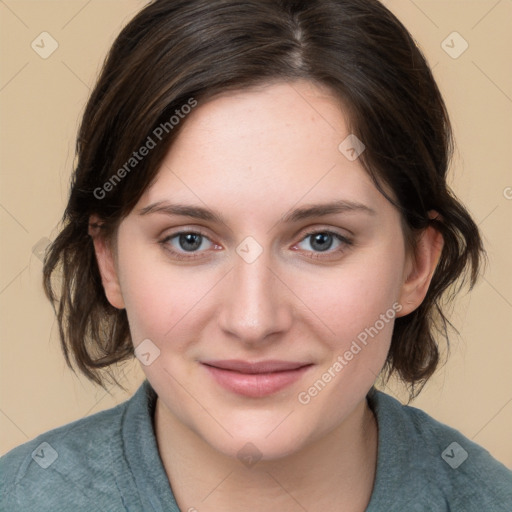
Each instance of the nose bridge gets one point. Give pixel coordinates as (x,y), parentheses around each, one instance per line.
(254,305)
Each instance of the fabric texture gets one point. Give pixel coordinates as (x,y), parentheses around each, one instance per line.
(110,462)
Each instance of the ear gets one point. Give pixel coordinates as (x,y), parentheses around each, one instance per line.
(420,266)
(106,263)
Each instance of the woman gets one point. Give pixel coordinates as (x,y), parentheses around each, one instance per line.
(259,212)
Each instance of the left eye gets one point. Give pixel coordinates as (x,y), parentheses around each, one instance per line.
(187,241)
(322,241)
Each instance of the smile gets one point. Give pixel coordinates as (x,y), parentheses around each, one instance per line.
(255,380)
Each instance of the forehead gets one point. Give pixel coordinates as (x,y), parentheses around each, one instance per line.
(276,144)
(276,114)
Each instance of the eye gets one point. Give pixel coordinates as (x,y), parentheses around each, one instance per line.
(322,242)
(186,244)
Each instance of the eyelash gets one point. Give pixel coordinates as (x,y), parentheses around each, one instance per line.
(346,243)
(178,255)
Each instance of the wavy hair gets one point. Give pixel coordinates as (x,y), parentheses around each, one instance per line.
(174,51)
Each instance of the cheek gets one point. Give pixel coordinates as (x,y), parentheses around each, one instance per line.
(352,298)
(160,298)
(359,307)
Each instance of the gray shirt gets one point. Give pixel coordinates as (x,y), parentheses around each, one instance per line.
(110,462)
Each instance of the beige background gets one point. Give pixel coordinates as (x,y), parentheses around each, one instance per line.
(41,101)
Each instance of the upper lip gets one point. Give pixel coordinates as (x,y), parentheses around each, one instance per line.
(268,366)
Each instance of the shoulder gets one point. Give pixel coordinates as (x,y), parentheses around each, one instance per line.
(63,467)
(454,470)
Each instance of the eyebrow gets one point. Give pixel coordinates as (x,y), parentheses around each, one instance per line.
(305,212)
(196,212)
(318,210)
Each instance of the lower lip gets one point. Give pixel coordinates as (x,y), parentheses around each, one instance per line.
(256,385)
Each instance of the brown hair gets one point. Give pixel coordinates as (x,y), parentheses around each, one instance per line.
(174,53)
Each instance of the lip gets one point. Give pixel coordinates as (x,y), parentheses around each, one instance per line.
(255,379)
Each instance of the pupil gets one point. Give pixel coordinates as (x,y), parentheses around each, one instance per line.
(190,238)
(324,240)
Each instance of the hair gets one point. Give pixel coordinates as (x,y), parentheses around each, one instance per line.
(175,53)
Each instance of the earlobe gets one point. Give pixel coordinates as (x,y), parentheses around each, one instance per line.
(106,264)
(420,269)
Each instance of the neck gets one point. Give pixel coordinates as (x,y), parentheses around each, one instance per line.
(335,472)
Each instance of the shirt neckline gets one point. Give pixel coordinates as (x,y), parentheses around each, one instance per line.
(141,453)
(139,447)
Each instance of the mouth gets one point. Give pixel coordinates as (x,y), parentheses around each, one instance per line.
(255,379)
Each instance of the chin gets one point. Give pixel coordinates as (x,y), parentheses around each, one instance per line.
(250,450)
(264,440)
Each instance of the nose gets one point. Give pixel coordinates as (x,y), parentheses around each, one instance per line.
(254,304)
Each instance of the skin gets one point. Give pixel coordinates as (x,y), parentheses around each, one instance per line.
(253,157)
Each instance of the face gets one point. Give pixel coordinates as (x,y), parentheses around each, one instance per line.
(282,252)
